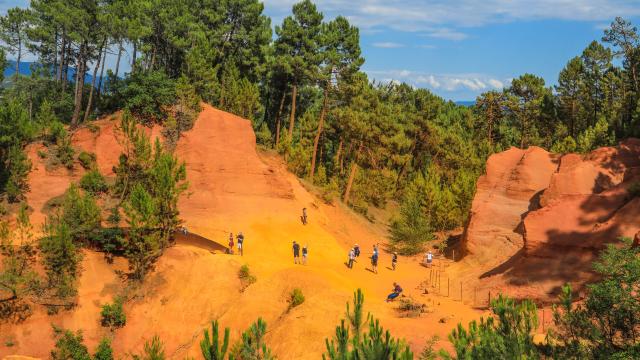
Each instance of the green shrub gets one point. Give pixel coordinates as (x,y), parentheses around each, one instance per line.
(634,190)
(104,350)
(87,160)
(146,94)
(65,152)
(245,276)
(93,182)
(19,166)
(42,154)
(81,213)
(56,131)
(113,315)
(295,298)
(69,346)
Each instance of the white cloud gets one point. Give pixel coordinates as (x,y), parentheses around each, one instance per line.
(430,17)
(475,83)
(387,45)
(447,34)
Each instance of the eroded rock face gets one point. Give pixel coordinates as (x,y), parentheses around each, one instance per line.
(509,189)
(587,204)
(539,220)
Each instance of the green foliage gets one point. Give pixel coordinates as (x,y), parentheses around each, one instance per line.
(153,350)
(245,276)
(296,298)
(112,315)
(69,345)
(104,350)
(508,335)
(566,145)
(64,151)
(634,189)
(93,182)
(211,347)
(60,258)
(19,167)
(376,344)
(87,160)
(595,136)
(3,64)
(605,325)
(264,136)
(142,245)
(81,214)
(252,345)
(148,95)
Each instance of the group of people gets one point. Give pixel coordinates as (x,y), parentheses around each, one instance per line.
(239,241)
(296,254)
(354,253)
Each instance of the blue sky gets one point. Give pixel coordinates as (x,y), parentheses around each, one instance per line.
(461,48)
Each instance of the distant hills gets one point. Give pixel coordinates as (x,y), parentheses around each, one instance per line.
(26,67)
(467,103)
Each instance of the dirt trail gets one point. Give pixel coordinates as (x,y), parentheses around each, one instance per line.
(233,189)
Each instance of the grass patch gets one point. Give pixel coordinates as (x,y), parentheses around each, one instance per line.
(296,298)
(112,315)
(410,308)
(246,277)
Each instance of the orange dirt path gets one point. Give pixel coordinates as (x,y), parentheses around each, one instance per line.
(233,188)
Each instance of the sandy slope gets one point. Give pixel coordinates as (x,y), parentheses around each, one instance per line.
(233,189)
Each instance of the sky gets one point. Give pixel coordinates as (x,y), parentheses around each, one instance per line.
(461,48)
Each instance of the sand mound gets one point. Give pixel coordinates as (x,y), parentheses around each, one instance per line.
(558,228)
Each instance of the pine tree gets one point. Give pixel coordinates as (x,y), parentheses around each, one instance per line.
(211,348)
(13,33)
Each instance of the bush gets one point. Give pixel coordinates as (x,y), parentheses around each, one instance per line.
(56,132)
(93,182)
(19,166)
(81,213)
(246,277)
(104,350)
(69,346)
(295,298)
(113,315)
(634,190)
(65,152)
(147,94)
(87,160)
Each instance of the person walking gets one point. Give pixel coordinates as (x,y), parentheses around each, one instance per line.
(356,250)
(429,258)
(231,243)
(394,261)
(374,262)
(305,252)
(352,257)
(296,253)
(240,240)
(304,216)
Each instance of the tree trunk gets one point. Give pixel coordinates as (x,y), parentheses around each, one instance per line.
(278,117)
(294,94)
(317,138)
(18,59)
(338,155)
(79,85)
(352,175)
(55,55)
(104,60)
(133,57)
(118,59)
(93,83)
(62,57)
(65,72)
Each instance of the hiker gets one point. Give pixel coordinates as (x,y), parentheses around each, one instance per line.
(231,243)
(356,250)
(374,262)
(240,239)
(296,253)
(352,256)
(305,252)
(394,260)
(184,230)
(304,216)
(428,258)
(396,292)
(375,249)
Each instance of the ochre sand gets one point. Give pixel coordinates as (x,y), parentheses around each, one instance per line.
(233,188)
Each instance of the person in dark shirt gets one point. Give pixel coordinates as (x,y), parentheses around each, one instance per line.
(397,290)
(296,253)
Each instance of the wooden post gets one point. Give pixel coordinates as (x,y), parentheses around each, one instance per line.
(454,255)
(489,303)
